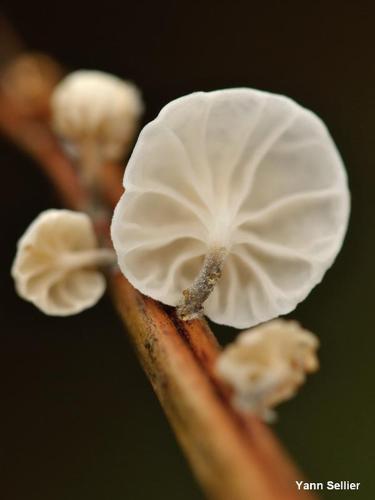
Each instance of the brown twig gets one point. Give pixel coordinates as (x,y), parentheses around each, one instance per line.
(233,456)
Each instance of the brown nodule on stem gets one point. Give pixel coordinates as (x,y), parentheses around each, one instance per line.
(191,305)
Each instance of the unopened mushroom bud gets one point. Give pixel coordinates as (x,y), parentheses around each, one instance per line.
(236,201)
(57,260)
(266,365)
(98,113)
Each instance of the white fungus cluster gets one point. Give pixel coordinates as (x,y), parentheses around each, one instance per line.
(266,365)
(249,176)
(56,265)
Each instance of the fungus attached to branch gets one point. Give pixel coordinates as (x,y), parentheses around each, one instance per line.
(241,170)
(56,266)
(98,114)
(266,365)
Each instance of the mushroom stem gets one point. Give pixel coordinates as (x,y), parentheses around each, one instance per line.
(191,305)
(89,258)
(89,163)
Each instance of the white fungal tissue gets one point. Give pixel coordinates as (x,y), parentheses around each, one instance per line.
(250,175)
(266,365)
(56,263)
(96,111)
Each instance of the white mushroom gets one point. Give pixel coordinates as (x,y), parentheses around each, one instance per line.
(266,365)
(98,113)
(56,263)
(235,196)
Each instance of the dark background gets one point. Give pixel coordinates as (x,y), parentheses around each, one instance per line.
(79,420)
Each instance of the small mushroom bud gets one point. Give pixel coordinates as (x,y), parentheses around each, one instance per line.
(266,365)
(235,202)
(56,263)
(98,113)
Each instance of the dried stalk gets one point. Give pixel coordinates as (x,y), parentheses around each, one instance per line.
(233,456)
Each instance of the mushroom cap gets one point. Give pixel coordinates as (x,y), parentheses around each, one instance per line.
(47,269)
(92,105)
(267,364)
(247,170)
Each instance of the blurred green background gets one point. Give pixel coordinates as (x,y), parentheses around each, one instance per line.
(79,419)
